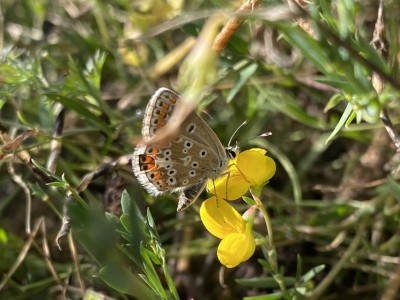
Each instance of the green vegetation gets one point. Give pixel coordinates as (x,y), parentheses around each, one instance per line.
(75,78)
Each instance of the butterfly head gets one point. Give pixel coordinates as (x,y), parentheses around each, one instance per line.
(232,151)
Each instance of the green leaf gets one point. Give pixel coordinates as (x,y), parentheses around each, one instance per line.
(113,219)
(272,296)
(308,46)
(153,228)
(312,273)
(126,203)
(133,221)
(154,258)
(244,75)
(265,264)
(45,171)
(3,236)
(37,191)
(81,108)
(288,106)
(57,184)
(333,101)
(2,102)
(236,43)
(265,282)
(395,187)
(126,282)
(248,200)
(153,279)
(124,219)
(346,16)
(343,119)
(353,115)
(371,55)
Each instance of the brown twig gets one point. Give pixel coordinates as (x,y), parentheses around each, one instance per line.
(11,145)
(302,22)
(390,128)
(391,291)
(55,145)
(379,43)
(39,227)
(335,39)
(233,24)
(75,257)
(17,178)
(21,255)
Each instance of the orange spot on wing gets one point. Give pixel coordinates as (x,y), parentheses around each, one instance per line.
(157,175)
(154,151)
(151,166)
(148,159)
(160,123)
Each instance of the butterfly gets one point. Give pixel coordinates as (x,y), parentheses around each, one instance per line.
(185,162)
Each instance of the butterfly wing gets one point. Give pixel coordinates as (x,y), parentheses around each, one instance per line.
(189,195)
(183,163)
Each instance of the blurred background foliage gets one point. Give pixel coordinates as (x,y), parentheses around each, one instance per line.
(75,77)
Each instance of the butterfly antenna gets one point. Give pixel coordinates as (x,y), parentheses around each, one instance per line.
(265,134)
(237,129)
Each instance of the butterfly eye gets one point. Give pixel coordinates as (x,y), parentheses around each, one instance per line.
(231,152)
(195,164)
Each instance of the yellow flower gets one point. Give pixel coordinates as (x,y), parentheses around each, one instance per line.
(224,222)
(250,169)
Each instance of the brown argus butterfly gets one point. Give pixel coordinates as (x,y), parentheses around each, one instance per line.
(184,163)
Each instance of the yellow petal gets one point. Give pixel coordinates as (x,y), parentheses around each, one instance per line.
(236,248)
(256,166)
(220,218)
(231,185)
(251,168)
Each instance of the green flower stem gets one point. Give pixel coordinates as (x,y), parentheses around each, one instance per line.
(168,278)
(270,247)
(264,212)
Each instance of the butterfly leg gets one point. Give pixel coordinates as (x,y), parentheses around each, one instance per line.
(228,174)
